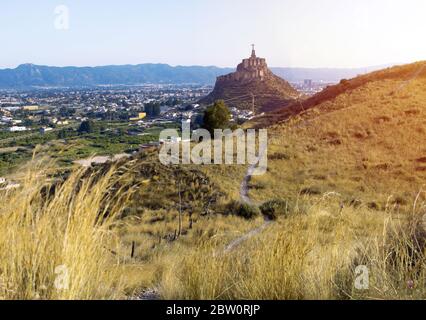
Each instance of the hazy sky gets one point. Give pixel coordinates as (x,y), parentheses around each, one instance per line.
(297,33)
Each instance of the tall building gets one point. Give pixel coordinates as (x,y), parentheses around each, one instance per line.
(307,82)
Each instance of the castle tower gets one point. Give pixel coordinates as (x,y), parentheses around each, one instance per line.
(253,52)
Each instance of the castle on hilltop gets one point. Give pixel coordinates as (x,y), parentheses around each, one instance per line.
(252,87)
(253,68)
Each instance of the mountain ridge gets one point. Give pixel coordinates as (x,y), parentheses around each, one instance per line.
(32,75)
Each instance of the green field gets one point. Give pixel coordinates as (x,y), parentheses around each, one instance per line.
(67,145)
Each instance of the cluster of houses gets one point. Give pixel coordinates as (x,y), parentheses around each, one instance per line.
(126,103)
(45,110)
(14,125)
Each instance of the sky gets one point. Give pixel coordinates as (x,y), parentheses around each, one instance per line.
(288,33)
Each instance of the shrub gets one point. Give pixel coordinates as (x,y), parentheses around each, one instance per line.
(311,191)
(274,208)
(373,205)
(279,156)
(248,211)
(243,210)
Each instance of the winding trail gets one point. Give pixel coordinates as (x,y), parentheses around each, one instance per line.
(154,294)
(244,188)
(245,198)
(235,243)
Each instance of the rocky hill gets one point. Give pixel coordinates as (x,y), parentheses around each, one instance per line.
(252,86)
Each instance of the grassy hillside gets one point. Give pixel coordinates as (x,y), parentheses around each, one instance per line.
(351,163)
(122,226)
(348,171)
(363,138)
(119,226)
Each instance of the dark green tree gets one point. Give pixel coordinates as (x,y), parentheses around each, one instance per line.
(44,121)
(62,134)
(66,112)
(86,127)
(216,116)
(28,122)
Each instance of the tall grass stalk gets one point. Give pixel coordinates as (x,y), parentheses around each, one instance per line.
(57,241)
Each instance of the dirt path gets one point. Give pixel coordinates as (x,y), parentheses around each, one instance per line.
(245,198)
(235,243)
(101,159)
(244,188)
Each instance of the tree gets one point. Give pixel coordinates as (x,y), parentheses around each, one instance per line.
(62,134)
(171,102)
(198,120)
(28,122)
(44,121)
(216,116)
(86,127)
(66,112)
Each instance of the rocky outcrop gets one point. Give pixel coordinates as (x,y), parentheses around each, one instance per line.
(253,85)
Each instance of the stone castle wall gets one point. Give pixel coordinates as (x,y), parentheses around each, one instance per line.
(249,69)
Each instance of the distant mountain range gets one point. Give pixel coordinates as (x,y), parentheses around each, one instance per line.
(30,75)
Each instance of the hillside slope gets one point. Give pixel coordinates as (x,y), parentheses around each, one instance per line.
(363,138)
(268,94)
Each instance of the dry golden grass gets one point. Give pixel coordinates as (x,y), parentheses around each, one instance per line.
(350,167)
(367,144)
(362,147)
(155,255)
(312,256)
(361,144)
(228,177)
(67,230)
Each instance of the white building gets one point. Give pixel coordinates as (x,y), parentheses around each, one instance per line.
(17,129)
(45,129)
